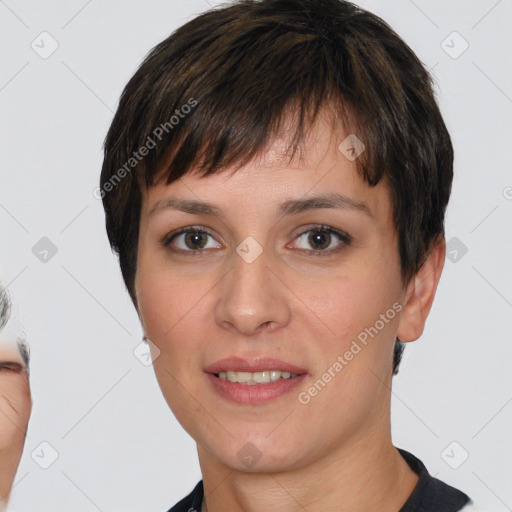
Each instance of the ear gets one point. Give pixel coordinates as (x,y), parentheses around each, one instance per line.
(420,294)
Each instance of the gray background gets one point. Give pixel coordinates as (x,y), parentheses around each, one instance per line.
(96,405)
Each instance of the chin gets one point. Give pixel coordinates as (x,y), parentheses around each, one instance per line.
(259,454)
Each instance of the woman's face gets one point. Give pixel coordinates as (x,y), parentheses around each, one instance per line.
(265,277)
(15,407)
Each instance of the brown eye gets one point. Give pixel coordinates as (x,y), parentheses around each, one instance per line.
(195,240)
(323,239)
(319,239)
(191,240)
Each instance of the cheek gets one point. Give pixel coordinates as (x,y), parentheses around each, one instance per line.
(156,305)
(348,304)
(172,311)
(360,311)
(162,297)
(15,408)
(169,309)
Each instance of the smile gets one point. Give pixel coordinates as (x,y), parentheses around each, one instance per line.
(255,378)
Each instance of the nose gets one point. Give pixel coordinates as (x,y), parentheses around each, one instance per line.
(252,297)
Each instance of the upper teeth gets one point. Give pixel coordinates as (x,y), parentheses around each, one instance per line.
(256,377)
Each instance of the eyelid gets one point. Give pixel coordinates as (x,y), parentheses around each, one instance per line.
(345,238)
(8,365)
(166,241)
(169,236)
(323,227)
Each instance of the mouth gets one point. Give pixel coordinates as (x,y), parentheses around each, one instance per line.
(255,378)
(255,370)
(255,381)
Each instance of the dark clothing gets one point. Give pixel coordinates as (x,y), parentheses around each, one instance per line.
(429,495)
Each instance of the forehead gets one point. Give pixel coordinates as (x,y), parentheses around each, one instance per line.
(321,166)
(9,350)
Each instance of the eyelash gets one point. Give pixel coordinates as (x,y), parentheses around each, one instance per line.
(15,367)
(344,238)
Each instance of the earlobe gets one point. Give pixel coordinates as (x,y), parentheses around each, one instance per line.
(420,294)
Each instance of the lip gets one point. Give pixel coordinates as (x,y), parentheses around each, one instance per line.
(257,394)
(238,364)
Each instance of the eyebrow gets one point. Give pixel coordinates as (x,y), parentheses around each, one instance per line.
(288,207)
(295,206)
(187,206)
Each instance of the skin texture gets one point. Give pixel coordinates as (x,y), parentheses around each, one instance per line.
(335,452)
(15,407)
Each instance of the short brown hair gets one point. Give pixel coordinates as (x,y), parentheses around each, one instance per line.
(243,68)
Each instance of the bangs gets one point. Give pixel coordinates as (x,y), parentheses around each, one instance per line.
(222,105)
(206,147)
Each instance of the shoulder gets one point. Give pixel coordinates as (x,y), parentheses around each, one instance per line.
(432,494)
(192,502)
